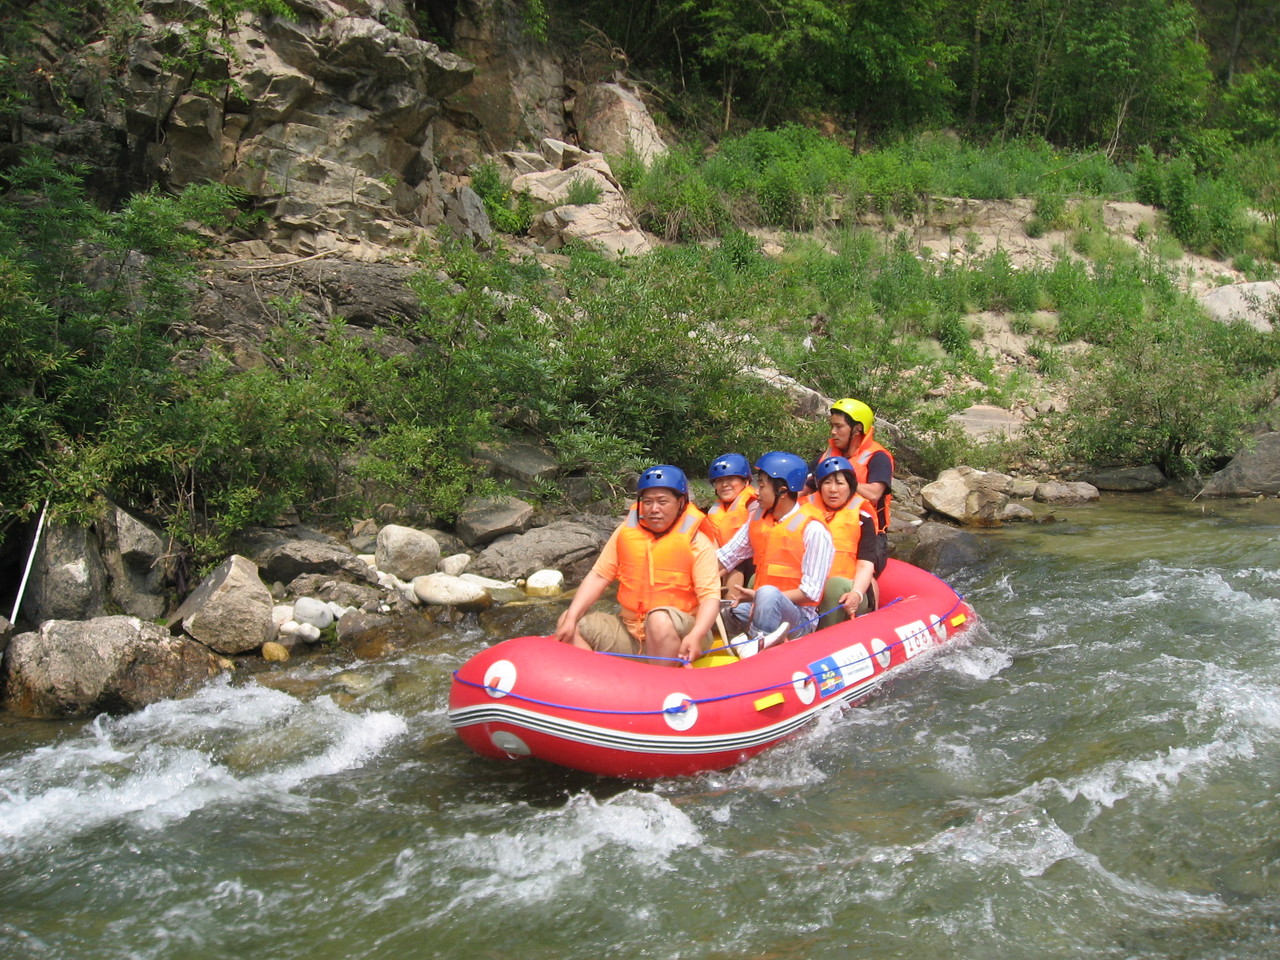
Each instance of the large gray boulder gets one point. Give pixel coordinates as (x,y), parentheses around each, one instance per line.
(287,561)
(985,421)
(73,668)
(405,552)
(968,496)
(1066,492)
(1128,479)
(1254,471)
(68,579)
(1257,304)
(465,215)
(230,611)
(614,120)
(487,518)
(523,463)
(139,562)
(570,546)
(942,549)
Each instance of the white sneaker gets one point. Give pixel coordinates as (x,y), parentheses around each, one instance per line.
(774,637)
(744,646)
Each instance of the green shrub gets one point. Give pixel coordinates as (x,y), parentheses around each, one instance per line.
(507,213)
(1174,392)
(87,302)
(583,192)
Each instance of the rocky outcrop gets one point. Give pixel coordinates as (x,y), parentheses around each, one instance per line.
(515,93)
(118,564)
(981,498)
(1254,471)
(1257,304)
(613,120)
(325,121)
(551,176)
(111,664)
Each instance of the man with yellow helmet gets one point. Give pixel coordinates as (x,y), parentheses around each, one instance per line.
(853,437)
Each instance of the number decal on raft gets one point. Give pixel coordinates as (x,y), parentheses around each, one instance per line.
(915,637)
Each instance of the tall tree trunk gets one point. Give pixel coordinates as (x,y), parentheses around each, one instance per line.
(728,98)
(975,67)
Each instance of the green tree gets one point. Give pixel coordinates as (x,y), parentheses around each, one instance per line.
(1114,73)
(761,47)
(888,68)
(1250,105)
(1257,167)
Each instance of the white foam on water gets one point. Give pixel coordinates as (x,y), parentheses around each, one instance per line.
(980,663)
(1150,776)
(176,757)
(532,864)
(1024,841)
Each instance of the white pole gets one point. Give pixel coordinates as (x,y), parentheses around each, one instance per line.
(31,558)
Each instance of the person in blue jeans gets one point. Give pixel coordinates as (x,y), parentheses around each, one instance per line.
(793,551)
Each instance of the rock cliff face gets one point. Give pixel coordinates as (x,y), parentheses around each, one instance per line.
(339,123)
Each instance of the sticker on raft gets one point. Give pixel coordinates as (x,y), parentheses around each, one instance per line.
(841,669)
(915,637)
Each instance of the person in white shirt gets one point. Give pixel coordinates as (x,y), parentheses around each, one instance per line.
(793,551)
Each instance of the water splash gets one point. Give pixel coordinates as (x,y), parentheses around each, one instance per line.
(226,744)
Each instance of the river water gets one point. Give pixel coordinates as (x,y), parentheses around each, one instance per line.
(1091,773)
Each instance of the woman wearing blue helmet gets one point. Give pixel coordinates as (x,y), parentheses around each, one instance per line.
(668,581)
(730,476)
(793,551)
(850,517)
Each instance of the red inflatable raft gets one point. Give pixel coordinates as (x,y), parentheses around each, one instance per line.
(623,717)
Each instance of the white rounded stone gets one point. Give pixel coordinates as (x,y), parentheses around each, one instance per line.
(545,583)
(312,611)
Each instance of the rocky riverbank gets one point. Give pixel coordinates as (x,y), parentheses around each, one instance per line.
(111,629)
(107,635)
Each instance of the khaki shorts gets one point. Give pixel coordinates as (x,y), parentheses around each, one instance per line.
(606,632)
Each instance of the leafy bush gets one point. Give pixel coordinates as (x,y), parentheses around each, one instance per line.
(87,301)
(1175,393)
(507,213)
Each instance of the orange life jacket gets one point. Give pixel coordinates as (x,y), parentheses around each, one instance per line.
(725,521)
(778,549)
(859,461)
(657,571)
(845,525)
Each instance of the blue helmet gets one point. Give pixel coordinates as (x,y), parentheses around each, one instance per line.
(831,465)
(787,467)
(729,465)
(663,475)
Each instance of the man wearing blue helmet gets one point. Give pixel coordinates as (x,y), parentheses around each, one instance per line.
(793,551)
(668,581)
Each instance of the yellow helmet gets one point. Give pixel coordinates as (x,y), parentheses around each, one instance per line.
(855,410)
